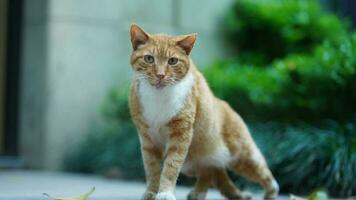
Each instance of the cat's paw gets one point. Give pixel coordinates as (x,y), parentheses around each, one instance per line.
(272,192)
(272,195)
(165,196)
(194,195)
(246,195)
(240,195)
(148,195)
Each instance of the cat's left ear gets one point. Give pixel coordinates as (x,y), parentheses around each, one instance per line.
(138,36)
(187,42)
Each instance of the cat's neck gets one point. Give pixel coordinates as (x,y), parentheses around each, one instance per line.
(161,105)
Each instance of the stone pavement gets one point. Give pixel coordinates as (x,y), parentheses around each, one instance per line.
(29,185)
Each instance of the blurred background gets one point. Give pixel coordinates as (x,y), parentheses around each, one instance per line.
(287,66)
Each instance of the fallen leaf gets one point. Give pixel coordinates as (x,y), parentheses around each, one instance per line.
(293,197)
(319,195)
(81,197)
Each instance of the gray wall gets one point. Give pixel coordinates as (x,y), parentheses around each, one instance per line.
(76,50)
(3,24)
(34,84)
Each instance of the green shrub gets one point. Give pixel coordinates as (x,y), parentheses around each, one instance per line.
(308,87)
(305,158)
(115,145)
(263,30)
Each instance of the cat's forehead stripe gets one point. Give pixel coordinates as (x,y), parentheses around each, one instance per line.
(161,51)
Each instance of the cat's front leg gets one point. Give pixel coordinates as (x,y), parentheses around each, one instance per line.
(151,159)
(178,146)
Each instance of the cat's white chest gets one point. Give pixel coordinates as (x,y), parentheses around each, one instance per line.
(161,105)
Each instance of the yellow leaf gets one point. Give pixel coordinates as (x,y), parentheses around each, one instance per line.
(81,197)
(319,195)
(293,197)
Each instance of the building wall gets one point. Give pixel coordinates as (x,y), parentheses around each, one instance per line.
(34,85)
(76,51)
(3,24)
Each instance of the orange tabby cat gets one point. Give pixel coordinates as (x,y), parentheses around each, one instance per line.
(183,127)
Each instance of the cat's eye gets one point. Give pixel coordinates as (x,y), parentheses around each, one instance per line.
(172,61)
(149,59)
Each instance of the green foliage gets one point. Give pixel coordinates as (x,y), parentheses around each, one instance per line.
(295,63)
(301,86)
(115,145)
(304,157)
(301,157)
(116,108)
(263,30)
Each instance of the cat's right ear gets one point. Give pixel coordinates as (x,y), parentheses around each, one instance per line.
(187,42)
(138,36)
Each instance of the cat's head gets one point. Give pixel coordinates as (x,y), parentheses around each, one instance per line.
(160,59)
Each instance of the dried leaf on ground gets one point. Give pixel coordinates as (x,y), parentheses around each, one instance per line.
(81,197)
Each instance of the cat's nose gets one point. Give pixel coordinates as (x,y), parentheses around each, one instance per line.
(160,76)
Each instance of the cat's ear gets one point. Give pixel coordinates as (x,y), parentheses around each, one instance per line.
(138,36)
(187,42)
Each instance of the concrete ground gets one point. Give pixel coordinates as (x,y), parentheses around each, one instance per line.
(29,185)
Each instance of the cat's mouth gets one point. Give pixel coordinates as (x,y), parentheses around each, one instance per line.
(160,85)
